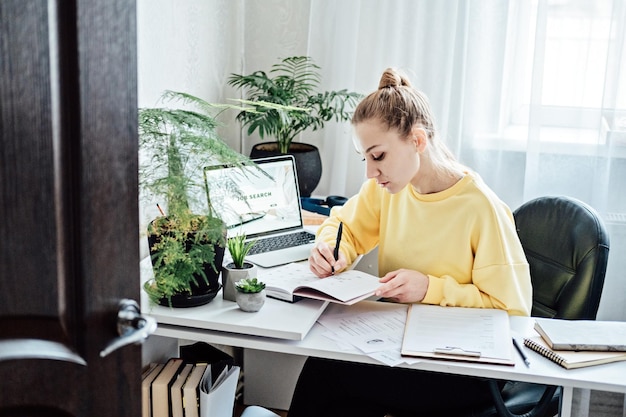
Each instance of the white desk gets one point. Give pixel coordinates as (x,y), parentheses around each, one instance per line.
(273,320)
(609,377)
(280,327)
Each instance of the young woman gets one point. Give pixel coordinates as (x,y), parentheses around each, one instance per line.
(443,238)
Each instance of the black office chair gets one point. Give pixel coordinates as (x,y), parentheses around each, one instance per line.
(567,247)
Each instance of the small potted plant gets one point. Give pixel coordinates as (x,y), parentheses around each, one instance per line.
(238,269)
(188,241)
(250,294)
(285,102)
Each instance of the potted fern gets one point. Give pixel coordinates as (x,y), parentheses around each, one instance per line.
(187,242)
(238,269)
(250,294)
(286,102)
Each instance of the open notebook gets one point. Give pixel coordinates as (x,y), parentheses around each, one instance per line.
(265,205)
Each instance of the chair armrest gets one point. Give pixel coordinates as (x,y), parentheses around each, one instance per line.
(538,410)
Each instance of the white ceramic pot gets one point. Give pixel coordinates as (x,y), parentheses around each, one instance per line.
(250,302)
(230,275)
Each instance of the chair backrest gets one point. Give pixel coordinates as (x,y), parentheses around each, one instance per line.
(567,248)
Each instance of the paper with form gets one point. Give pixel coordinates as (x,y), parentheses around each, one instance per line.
(371,331)
(374,328)
(470,334)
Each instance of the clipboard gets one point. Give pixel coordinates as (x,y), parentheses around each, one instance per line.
(458,333)
(457,351)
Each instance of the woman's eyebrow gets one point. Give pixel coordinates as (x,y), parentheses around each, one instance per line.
(370,148)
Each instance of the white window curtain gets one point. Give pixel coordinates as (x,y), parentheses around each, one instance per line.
(530,94)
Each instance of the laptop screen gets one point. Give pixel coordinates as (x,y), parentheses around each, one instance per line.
(256,201)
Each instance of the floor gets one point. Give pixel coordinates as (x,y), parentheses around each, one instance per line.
(586,404)
(240,407)
(600,404)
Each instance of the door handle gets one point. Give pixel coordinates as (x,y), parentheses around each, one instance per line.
(132,326)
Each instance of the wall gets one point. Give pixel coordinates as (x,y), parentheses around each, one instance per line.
(194,48)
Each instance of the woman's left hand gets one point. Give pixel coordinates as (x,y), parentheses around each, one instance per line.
(403,286)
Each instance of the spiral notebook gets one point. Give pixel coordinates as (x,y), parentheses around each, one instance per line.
(570,359)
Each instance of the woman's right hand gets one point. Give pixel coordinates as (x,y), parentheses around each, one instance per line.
(322,261)
(403,286)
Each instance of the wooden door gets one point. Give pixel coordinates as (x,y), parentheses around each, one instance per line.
(68,206)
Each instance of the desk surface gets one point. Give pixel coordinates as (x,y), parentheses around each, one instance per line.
(278,319)
(608,377)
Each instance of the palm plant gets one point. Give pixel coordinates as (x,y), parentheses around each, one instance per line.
(285,102)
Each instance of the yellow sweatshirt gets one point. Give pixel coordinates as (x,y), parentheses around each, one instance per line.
(463,238)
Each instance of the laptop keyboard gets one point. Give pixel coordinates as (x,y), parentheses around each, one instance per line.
(282,242)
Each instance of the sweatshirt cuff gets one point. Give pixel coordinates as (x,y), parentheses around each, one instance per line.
(434,294)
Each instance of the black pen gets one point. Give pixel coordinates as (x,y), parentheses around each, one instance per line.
(337,242)
(521,352)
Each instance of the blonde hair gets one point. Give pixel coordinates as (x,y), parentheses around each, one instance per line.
(401,107)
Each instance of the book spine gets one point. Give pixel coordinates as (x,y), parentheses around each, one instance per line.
(542,350)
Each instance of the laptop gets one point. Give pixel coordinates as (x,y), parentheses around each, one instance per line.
(264,203)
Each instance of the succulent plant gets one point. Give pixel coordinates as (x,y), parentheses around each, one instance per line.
(250,285)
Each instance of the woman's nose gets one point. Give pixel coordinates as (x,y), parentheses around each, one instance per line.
(371,171)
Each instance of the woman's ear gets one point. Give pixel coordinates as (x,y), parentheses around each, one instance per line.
(419,136)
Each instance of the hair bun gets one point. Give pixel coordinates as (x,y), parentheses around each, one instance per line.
(393,78)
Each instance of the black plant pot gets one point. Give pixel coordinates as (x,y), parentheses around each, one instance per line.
(308,162)
(202,292)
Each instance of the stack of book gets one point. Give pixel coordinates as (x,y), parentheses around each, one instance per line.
(579,343)
(177,388)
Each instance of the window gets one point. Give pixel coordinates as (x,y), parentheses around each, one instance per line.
(566,61)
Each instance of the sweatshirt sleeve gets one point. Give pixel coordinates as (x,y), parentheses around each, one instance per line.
(500,273)
(361,223)
(503,287)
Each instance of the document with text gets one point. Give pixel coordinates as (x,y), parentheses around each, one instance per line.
(369,331)
(372,327)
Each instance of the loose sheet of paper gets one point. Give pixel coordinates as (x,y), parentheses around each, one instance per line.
(377,333)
